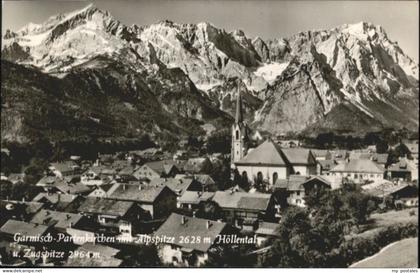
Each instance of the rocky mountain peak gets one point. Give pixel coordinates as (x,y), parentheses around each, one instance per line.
(314,71)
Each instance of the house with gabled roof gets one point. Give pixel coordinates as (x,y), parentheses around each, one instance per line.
(359,170)
(337,155)
(302,160)
(159,201)
(9,230)
(191,199)
(58,201)
(98,175)
(401,193)
(179,186)
(59,220)
(191,251)
(320,154)
(65,168)
(103,191)
(265,231)
(298,186)
(156,169)
(206,181)
(325,166)
(244,210)
(115,214)
(403,169)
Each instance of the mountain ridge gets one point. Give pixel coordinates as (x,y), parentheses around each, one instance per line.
(292,84)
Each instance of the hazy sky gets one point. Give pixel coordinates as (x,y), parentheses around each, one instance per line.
(267,19)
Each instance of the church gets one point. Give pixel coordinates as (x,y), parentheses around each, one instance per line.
(267,162)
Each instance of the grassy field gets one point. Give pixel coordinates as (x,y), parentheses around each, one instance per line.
(379,221)
(401,254)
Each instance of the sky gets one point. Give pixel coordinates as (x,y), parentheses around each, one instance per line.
(267,19)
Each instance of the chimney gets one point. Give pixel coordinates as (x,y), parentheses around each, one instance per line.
(183,220)
(23,199)
(140,187)
(199,193)
(208,224)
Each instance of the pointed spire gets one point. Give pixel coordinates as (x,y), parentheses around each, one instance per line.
(239,115)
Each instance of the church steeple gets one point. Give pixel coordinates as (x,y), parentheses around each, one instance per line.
(239,131)
(239,115)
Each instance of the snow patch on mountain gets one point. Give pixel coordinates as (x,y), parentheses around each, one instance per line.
(270,71)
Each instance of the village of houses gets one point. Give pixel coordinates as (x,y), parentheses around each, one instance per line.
(132,203)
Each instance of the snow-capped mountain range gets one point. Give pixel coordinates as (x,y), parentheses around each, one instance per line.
(350,78)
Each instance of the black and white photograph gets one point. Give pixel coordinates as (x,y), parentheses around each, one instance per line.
(209,134)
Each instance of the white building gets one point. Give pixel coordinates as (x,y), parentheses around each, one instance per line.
(359,170)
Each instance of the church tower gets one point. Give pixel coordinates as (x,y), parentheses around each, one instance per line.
(239,133)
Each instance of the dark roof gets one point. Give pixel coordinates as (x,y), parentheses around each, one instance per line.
(138,193)
(268,153)
(173,227)
(105,206)
(243,200)
(56,218)
(12,227)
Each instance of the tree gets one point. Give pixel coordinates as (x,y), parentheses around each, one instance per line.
(219,142)
(35,170)
(209,210)
(382,147)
